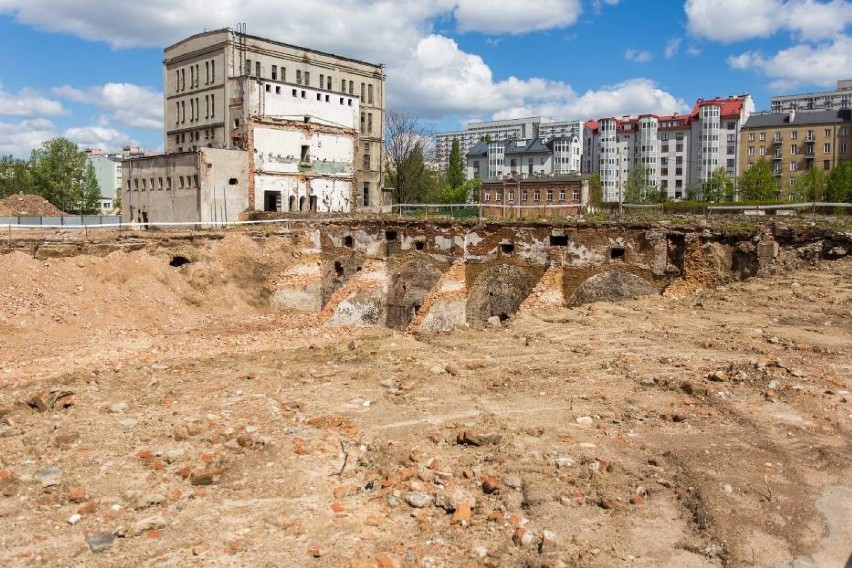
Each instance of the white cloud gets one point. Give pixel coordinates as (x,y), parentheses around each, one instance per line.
(19,139)
(27,103)
(672,47)
(820,64)
(516,17)
(728,21)
(638,56)
(130,105)
(599,4)
(106,139)
(636,96)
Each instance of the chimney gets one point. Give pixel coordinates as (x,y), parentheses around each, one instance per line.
(792,115)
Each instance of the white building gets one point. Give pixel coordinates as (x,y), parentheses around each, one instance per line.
(497,130)
(840,98)
(524,158)
(308,126)
(677,151)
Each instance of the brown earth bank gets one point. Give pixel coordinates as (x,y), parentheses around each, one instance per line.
(170,415)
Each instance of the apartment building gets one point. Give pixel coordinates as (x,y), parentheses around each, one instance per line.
(521,157)
(108,171)
(308,124)
(840,98)
(500,130)
(794,142)
(677,151)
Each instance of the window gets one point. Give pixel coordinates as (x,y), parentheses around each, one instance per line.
(248,67)
(843,147)
(363,92)
(370,94)
(794,148)
(168,184)
(763,150)
(751,151)
(794,166)
(366,161)
(180,184)
(213,71)
(794,135)
(511,196)
(828,132)
(844,132)
(298,76)
(328,84)
(322,80)
(195,178)
(524,195)
(486,196)
(810,137)
(257,68)
(575,195)
(343,85)
(144,184)
(351,87)
(751,136)
(206,72)
(826,165)
(550,195)
(826,148)
(160,184)
(305,154)
(561,195)
(732,125)
(370,122)
(763,136)
(363,120)
(537,195)
(730,163)
(307,78)
(274,72)
(664,148)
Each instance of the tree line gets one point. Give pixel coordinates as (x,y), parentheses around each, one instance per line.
(757,183)
(59,172)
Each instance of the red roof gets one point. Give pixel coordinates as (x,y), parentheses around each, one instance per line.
(730,107)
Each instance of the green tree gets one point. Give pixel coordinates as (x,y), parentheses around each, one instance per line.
(15,177)
(839,183)
(810,186)
(91,194)
(595,190)
(58,170)
(757,183)
(465,193)
(407,150)
(639,189)
(719,187)
(455,170)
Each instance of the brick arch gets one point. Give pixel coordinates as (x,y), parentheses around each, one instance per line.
(499,291)
(408,289)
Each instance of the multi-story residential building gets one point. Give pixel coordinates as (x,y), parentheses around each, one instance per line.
(677,151)
(841,98)
(500,130)
(308,124)
(524,158)
(795,142)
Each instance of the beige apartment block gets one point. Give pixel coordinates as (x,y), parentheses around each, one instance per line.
(794,142)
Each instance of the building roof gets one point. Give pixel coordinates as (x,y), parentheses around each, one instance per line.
(804,118)
(730,107)
(529,146)
(279,43)
(555,178)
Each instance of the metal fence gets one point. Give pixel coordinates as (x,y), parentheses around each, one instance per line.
(71,221)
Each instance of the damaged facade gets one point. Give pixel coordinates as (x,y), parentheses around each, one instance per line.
(304,127)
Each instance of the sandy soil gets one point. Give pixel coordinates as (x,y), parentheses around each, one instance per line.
(170,417)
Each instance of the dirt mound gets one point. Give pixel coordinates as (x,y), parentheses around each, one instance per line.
(28,205)
(611,286)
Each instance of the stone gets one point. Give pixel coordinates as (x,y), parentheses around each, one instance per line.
(548,542)
(387,560)
(203,477)
(452,369)
(494,321)
(522,537)
(49,477)
(513,481)
(418,500)
(437,370)
(563,462)
(774,384)
(315,551)
(76,495)
(585,420)
(119,407)
(490,484)
(607,503)
(129,423)
(149,500)
(74,519)
(637,500)
(88,508)
(718,376)
(611,286)
(98,542)
(452,498)
(156,522)
(462,515)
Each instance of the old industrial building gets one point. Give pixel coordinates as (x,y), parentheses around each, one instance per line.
(266,126)
(795,142)
(553,195)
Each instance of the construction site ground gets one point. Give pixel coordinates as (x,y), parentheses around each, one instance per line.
(153,415)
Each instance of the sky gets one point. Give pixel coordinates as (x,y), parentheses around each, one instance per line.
(92,70)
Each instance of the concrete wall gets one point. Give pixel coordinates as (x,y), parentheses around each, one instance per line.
(276,99)
(207,186)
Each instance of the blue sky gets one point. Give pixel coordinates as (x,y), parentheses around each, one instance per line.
(91,70)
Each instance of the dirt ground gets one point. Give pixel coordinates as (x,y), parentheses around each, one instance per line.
(160,416)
